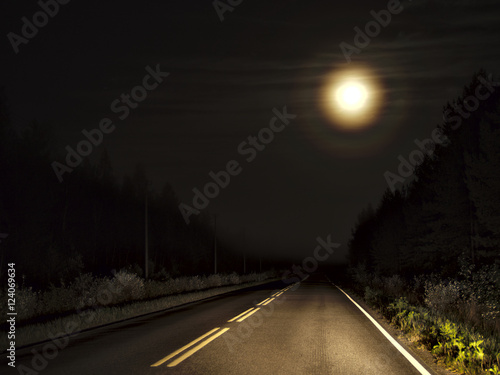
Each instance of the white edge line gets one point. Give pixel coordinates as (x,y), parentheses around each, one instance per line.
(402,350)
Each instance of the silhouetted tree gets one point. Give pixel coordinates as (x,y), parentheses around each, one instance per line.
(451,207)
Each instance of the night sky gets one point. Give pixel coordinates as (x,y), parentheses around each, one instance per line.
(226,77)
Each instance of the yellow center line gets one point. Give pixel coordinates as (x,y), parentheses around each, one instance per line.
(243,313)
(275,293)
(279,294)
(271,300)
(161,361)
(247,315)
(196,348)
(260,303)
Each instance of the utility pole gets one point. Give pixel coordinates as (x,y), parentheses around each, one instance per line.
(146,250)
(244,253)
(215,243)
(472,233)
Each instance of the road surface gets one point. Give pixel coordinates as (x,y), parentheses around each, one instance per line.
(278,328)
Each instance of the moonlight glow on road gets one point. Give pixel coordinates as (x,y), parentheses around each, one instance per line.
(351,99)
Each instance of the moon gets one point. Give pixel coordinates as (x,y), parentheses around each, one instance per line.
(352,96)
(351,99)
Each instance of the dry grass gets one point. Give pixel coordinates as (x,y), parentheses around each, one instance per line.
(101,308)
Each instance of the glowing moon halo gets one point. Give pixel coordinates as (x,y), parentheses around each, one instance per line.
(351,99)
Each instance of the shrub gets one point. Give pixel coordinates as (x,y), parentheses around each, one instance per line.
(373,297)
(161,275)
(449,317)
(126,286)
(394,286)
(57,299)
(215,280)
(85,287)
(416,293)
(234,278)
(27,302)
(443,297)
(88,291)
(486,286)
(360,276)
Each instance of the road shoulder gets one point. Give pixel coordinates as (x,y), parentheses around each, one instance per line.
(412,347)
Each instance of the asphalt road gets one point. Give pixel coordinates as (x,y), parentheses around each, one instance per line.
(308,328)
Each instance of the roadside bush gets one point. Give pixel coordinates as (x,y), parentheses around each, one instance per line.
(57,299)
(234,278)
(394,286)
(125,286)
(27,303)
(443,297)
(88,291)
(462,349)
(375,298)
(360,276)
(486,286)
(457,319)
(416,292)
(214,280)
(86,288)
(473,300)
(196,283)
(161,275)
(154,288)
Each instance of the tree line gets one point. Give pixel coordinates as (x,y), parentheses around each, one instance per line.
(451,207)
(90,222)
